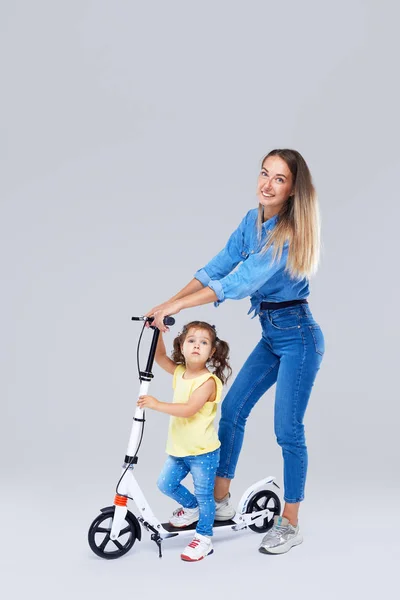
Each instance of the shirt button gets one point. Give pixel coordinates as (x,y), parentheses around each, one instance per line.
(251,251)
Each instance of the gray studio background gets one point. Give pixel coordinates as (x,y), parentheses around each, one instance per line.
(131,135)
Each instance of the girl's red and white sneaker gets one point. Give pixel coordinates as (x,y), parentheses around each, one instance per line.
(199,548)
(182,517)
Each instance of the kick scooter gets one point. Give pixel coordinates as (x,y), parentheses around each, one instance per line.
(114,531)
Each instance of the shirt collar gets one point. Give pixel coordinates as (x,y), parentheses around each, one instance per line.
(270,223)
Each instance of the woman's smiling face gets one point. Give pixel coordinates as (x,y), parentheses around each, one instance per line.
(274,186)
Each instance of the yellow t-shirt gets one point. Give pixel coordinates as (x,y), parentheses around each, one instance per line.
(191,436)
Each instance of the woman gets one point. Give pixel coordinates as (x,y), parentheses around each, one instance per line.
(278,248)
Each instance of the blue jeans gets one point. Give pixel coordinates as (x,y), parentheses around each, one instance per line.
(289,354)
(203,469)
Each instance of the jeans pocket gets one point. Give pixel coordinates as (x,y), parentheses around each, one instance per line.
(284,319)
(318,338)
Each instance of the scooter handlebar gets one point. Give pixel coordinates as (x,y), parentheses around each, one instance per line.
(167,320)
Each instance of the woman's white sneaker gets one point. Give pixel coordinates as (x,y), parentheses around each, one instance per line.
(182,517)
(281,537)
(224,509)
(199,548)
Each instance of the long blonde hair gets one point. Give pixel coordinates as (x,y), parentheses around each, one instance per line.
(298,220)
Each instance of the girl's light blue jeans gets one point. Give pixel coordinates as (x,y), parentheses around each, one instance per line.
(203,469)
(289,354)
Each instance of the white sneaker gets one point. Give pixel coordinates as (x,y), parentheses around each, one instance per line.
(199,547)
(224,509)
(182,517)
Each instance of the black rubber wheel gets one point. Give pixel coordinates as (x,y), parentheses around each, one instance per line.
(99,535)
(261,500)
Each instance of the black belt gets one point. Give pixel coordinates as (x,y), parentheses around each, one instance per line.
(276,305)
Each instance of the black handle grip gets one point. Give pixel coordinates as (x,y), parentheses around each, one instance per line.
(167,320)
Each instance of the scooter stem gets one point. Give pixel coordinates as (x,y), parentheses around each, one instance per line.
(138,420)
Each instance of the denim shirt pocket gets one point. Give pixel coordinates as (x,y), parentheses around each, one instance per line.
(245,251)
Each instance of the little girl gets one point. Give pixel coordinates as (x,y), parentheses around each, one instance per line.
(193,444)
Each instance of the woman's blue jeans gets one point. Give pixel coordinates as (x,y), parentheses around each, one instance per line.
(289,354)
(203,469)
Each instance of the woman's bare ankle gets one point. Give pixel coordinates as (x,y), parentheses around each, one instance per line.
(291,512)
(221,488)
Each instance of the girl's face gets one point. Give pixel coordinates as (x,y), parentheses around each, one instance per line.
(197,347)
(274,185)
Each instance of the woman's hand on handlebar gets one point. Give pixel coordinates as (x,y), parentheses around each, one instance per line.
(152,312)
(164,310)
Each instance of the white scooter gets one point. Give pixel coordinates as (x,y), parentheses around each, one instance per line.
(115,530)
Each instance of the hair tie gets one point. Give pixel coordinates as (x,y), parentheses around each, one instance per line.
(215,331)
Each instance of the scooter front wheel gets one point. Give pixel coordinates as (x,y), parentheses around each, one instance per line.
(99,535)
(264,499)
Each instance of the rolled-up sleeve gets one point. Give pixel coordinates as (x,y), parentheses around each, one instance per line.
(250,276)
(227,259)
(216,285)
(202,276)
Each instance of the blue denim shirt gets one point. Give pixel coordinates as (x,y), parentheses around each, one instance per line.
(257,275)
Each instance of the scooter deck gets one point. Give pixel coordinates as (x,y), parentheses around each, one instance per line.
(172,529)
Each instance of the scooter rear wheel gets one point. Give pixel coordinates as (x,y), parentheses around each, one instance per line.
(99,535)
(260,501)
